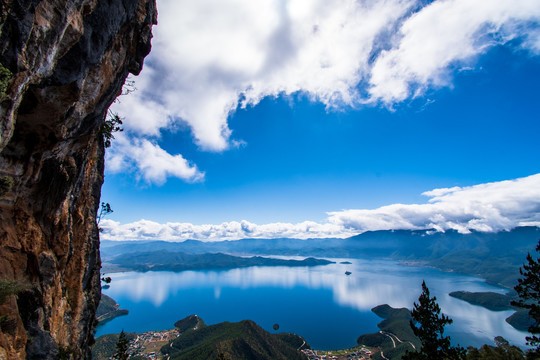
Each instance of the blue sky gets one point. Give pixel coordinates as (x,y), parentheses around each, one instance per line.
(272,155)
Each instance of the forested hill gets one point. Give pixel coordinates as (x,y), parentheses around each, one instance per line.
(243,340)
(178,261)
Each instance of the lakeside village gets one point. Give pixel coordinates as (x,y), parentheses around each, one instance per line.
(148,345)
(356,353)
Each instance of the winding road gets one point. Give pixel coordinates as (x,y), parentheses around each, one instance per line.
(393,336)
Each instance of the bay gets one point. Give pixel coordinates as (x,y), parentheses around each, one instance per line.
(322,304)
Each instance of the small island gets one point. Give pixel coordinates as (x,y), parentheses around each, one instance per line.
(520,320)
(490,300)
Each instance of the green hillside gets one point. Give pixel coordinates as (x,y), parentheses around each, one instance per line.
(192,322)
(243,340)
(396,335)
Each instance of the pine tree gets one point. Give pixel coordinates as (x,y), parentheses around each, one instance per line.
(528,289)
(428,326)
(122,347)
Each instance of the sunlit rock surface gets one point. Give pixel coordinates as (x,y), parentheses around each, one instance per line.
(69,60)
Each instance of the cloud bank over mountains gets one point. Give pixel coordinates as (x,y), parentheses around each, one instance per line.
(486,207)
(211,56)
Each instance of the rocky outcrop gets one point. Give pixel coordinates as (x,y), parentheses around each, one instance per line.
(69,60)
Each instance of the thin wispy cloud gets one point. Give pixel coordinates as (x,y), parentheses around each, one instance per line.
(210,56)
(486,207)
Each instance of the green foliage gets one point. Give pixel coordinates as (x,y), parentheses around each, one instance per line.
(395,324)
(111,125)
(6,184)
(8,288)
(104,210)
(105,346)
(106,305)
(293,340)
(64,353)
(11,287)
(528,289)
(122,347)
(5,76)
(428,326)
(106,280)
(189,323)
(504,352)
(239,341)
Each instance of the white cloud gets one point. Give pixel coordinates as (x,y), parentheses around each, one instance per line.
(154,164)
(447,34)
(486,207)
(234,230)
(209,56)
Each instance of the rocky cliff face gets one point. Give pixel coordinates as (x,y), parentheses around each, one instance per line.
(69,60)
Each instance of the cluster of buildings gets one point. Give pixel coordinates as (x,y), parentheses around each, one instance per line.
(148,344)
(362,353)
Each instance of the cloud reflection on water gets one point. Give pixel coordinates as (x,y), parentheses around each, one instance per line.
(371,283)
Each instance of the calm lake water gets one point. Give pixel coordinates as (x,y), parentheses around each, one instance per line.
(328,308)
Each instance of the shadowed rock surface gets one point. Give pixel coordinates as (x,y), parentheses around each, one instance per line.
(69,60)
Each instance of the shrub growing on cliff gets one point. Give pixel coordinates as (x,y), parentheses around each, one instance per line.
(104,210)
(5,76)
(111,125)
(6,184)
(11,287)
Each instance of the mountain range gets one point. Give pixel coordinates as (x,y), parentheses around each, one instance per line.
(493,256)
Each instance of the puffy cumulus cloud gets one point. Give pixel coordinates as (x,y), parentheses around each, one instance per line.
(210,56)
(445,35)
(234,230)
(487,207)
(152,163)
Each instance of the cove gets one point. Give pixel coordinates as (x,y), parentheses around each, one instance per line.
(322,304)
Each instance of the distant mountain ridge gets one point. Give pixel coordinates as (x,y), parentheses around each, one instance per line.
(178,261)
(494,256)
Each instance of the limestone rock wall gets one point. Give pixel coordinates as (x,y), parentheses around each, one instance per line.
(69,60)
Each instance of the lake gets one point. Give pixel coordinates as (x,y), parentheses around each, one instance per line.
(328,308)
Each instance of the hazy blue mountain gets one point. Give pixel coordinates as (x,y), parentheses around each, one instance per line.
(494,256)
